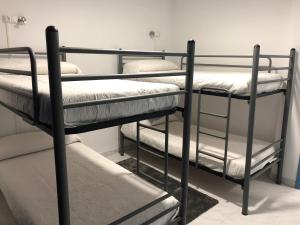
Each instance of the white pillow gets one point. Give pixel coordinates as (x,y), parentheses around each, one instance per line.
(152,65)
(26,143)
(41,64)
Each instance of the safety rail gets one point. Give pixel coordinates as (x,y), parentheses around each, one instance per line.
(32,73)
(268,68)
(58,126)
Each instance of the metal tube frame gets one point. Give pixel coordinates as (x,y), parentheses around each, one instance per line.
(251,119)
(52,41)
(33,73)
(58,127)
(286,113)
(252,99)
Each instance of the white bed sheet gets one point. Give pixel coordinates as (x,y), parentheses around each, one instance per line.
(235,82)
(100,190)
(15,91)
(236,147)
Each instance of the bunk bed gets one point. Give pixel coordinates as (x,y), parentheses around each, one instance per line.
(254,156)
(79,103)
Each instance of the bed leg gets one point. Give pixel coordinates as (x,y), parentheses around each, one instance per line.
(138,147)
(245,199)
(251,120)
(58,126)
(286,114)
(187,130)
(121,143)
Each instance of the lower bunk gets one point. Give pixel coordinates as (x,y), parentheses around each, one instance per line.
(99,189)
(211,157)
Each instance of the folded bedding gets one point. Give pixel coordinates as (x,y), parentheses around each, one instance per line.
(238,83)
(236,146)
(100,191)
(16,92)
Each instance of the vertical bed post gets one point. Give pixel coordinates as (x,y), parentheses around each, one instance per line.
(166,159)
(34,83)
(121,136)
(286,113)
(251,122)
(187,128)
(58,129)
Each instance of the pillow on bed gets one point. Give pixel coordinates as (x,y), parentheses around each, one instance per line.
(26,143)
(41,64)
(153,65)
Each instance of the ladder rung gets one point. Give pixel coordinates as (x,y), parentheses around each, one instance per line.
(151,152)
(213,114)
(211,155)
(152,128)
(151,178)
(212,135)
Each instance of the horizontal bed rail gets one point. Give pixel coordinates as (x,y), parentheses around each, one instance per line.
(268,68)
(241,56)
(16,72)
(272,81)
(266,148)
(119,76)
(118,52)
(265,159)
(149,205)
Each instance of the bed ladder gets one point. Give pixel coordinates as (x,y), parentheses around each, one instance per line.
(222,116)
(148,149)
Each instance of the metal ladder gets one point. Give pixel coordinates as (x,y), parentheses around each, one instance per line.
(148,149)
(226,117)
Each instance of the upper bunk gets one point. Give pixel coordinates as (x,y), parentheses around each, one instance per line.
(215,79)
(90,101)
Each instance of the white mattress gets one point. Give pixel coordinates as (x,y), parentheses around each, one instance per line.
(100,190)
(235,82)
(236,147)
(15,91)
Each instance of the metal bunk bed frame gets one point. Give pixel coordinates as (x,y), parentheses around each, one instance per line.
(255,67)
(58,129)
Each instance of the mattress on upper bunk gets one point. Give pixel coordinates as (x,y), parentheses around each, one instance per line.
(238,83)
(100,191)
(236,147)
(16,92)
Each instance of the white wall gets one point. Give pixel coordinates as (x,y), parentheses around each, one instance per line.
(231,26)
(89,23)
(235,26)
(293,138)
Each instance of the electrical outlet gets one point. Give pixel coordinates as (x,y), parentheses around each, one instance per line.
(154,34)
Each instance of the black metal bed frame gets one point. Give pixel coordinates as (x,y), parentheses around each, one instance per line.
(255,67)
(58,129)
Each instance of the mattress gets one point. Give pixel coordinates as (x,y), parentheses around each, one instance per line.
(238,83)
(100,191)
(16,92)
(236,147)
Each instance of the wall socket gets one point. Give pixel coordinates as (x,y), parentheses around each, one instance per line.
(154,34)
